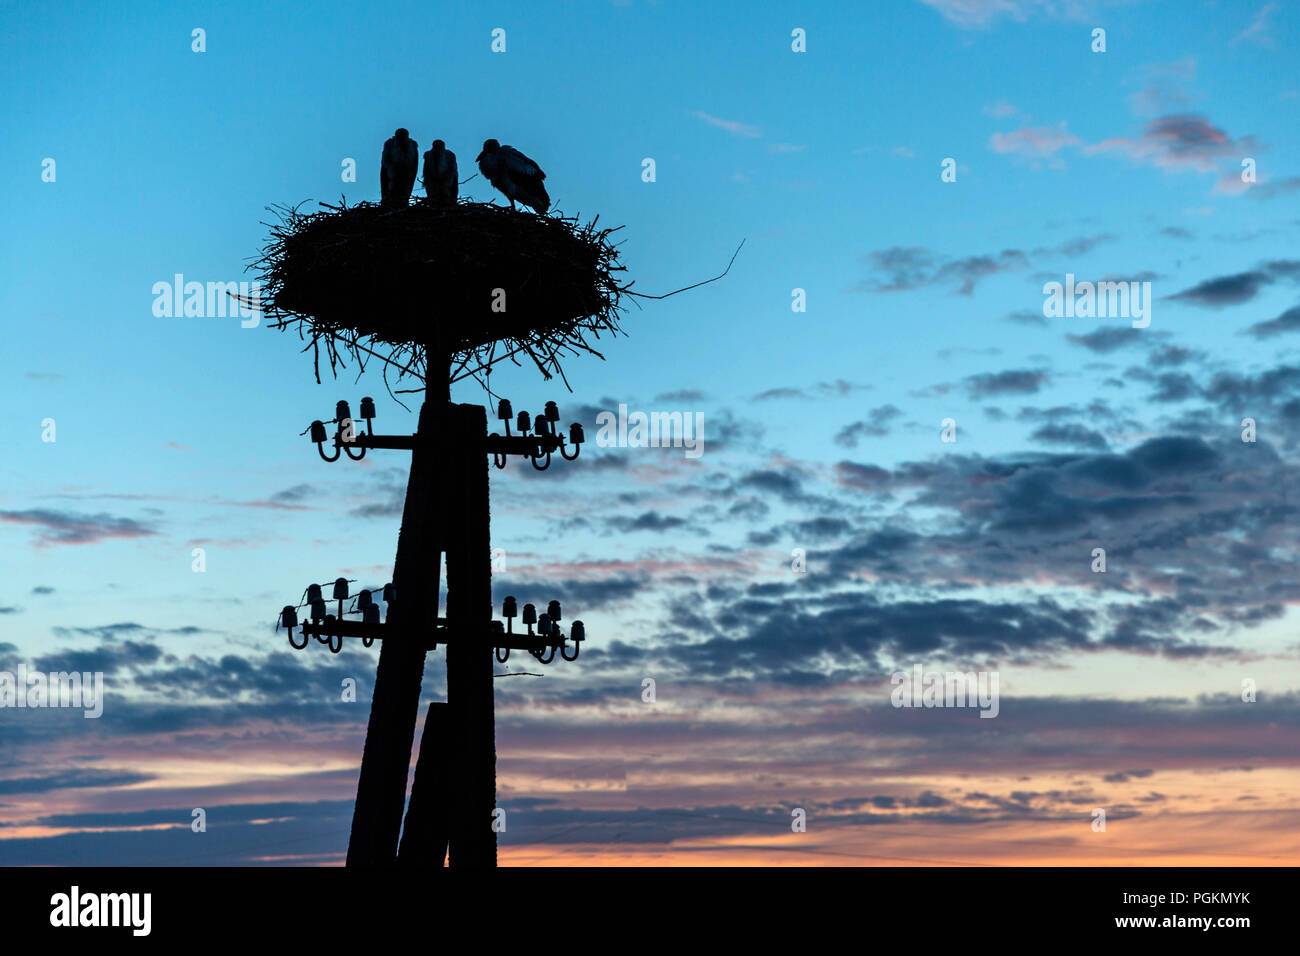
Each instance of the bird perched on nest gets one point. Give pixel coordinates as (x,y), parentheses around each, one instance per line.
(440,175)
(397,168)
(515,175)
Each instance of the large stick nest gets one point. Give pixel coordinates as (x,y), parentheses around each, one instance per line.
(426,284)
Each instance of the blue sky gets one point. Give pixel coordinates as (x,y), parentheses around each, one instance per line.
(924,302)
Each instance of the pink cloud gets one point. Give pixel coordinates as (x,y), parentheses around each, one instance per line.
(66,527)
(1001,109)
(1174,143)
(731,126)
(970,14)
(1260,31)
(1039,142)
(1178,142)
(977,14)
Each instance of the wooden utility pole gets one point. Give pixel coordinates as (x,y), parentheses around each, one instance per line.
(395,701)
(424,837)
(452,813)
(470,687)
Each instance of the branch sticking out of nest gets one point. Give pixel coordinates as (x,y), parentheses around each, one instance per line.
(440,289)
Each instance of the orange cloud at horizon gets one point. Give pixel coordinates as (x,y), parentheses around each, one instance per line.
(1166,839)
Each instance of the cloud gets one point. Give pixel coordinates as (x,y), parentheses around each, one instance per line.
(979,14)
(781,392)
(1124,776)
(911,267)
(1039,142)
(905,268)
(783,484)
(680,395)
(836,389)
(1078,246)
(1108,339)
(1260,29)
(731,126)
(388,486)
(242,834)
(1272,393)
(581,596)
(966,273)
(1173,355)
(1271,189)
(1149,499)
(1239,287)
(1174,142)
(861,477)
(66,527)
(1179,142)
(820,529)
(876,425)
(278,503)
(112,632)
(1224,290)
(1164,88)
(108,659)
(1288,321)
(841,387)
(71,779)
(701,756)
(1097,411)
(293,495)
(1074,435)
(1000,110)
(1010,382)
(647,521)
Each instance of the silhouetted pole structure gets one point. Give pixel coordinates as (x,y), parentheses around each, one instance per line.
(395,701)
(424,837)
(452,812)
(365,273)
(470,687)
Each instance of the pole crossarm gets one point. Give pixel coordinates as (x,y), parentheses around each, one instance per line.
(538,438)
(528,446)
(395,442)
(330,628)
